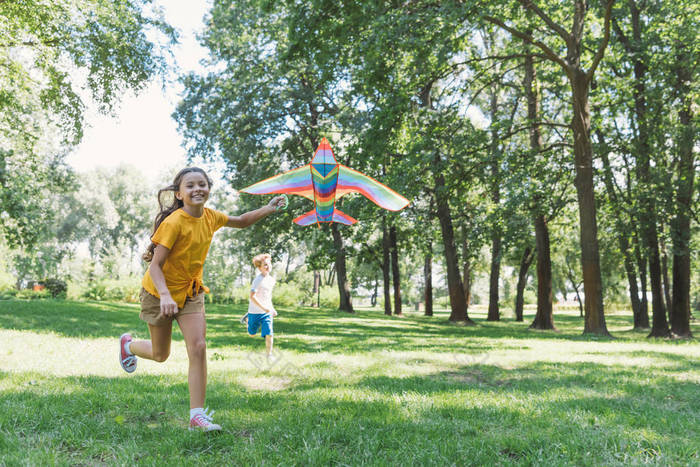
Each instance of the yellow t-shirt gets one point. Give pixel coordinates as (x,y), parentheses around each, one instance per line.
(188,239)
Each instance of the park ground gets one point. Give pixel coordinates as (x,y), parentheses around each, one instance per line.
(362,389)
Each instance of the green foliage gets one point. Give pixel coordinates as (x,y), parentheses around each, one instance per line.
(8,294)
(111,211)
(30,294)
(529,296)
(329,297)
(410,93)
(121,290)
(32,191)
(51,54)
(116,46)
(56,287)
(288,295)
(229,296)
(240,295)
(442,301)
(6,281)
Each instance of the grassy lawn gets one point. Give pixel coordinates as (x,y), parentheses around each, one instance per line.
(346,389)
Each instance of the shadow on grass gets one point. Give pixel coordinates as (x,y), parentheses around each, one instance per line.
(536,377)
(301,329)
(312,330)
(69,318)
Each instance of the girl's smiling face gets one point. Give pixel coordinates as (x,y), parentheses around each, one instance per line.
(194,189)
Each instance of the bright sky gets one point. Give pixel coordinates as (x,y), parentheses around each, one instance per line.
(143,133)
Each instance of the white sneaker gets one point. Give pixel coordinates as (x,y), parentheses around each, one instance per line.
(203,421)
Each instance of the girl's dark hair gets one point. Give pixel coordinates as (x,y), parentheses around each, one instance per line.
(170,204)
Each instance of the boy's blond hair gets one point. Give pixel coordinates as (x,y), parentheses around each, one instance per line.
(258,260)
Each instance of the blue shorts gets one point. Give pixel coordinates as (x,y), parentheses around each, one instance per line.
(260,320)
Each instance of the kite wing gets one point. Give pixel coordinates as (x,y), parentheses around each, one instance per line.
(352,181)
(294,182)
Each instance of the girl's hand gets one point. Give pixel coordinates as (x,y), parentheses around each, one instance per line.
(278,202)
(168,307)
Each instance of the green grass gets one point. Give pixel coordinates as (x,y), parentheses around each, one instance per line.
(360,389)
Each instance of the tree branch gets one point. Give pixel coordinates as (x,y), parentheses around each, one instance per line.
(604,44)
(49,42)
(623,38)
(528,38)
(552,25)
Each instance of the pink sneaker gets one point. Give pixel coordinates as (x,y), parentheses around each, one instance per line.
(127,360)
(203,421)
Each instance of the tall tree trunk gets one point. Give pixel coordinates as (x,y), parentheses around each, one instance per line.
(341,271)
(633,289)
(395,270)
(680,321)
(650,238)
(317,288)
(373,298)
(643,317)
(386,268)
(525,262)
(466,272)
(659,323)
(467,284)
(544,318)
(665,281)
(494,313)
(331,275)
(590,255)
(458,304)
(428,274)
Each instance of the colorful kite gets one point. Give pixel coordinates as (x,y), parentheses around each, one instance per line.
(324,181)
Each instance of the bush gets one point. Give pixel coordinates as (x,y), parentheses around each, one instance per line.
(287,294)
(240,295)
(7,294)
(529,297)
(29,294)
(442,302)
(117,290)
(6,282)
(56,287)
(330,297)
(236,296)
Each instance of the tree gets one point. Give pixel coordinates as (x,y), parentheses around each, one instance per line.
(634,45)
(579,80)
(45,43)
(49,53)
(685,68)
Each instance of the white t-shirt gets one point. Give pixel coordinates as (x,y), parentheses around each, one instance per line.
(262,286)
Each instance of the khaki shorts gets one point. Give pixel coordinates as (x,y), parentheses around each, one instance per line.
(150,308)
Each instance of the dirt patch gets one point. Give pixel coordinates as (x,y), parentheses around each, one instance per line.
(267,383)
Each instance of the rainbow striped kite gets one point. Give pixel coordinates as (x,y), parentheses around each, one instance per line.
(324,181)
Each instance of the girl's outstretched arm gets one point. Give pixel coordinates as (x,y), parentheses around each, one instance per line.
(251,217)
